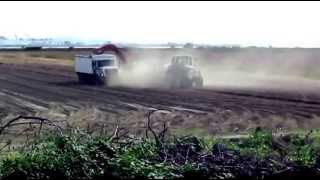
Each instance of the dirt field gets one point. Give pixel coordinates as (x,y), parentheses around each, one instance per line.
(48,87)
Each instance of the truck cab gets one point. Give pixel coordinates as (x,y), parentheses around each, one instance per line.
(97,69)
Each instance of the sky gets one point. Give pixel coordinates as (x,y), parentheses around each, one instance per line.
(289,24)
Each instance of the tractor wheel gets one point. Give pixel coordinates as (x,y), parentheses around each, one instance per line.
(199,83)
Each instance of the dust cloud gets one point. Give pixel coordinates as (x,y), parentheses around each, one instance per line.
(269,68)
(143,72)
(238,68)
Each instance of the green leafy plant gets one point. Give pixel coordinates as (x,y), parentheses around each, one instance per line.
(259,143)
(79,155)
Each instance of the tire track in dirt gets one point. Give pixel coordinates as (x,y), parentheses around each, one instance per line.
(113,94)
(160,100)
(58,95)
(54,84)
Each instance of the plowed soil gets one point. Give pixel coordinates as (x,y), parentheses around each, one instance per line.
(30,88)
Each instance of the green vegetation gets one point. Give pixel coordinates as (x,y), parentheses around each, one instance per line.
(80,155)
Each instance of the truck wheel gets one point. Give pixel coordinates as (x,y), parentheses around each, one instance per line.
(97,79)
(81,79)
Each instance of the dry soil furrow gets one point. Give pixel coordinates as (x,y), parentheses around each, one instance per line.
(54,84)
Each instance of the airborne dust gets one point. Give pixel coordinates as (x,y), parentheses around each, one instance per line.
(262,68)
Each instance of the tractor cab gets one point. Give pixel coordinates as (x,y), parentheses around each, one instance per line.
(182,60)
